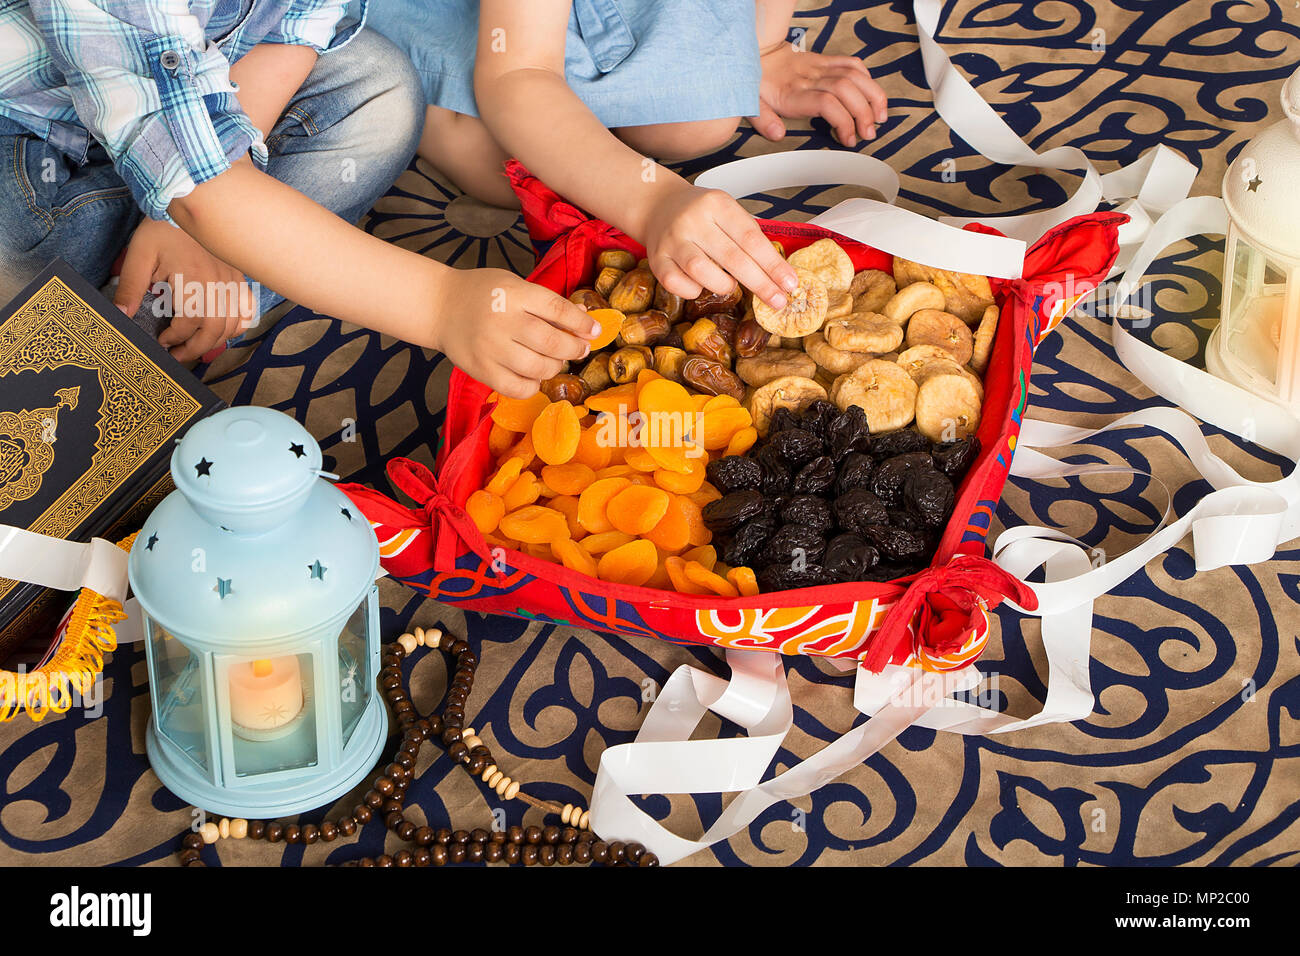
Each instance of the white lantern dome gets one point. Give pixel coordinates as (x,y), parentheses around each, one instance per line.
(1259,188)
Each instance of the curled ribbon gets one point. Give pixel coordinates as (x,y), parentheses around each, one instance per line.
(946,598)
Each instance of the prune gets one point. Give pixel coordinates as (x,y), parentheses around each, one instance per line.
(732,510)
(857,508)
(734,473)
(906,520)
(817,417)
(815,477)
(887,480)
(794,545)
(855,472)
(782,419)
(810,511)
(954,457)
(772,506)
(901,442)
(848,557)
(747,543)
(848,432)
(894,542)
(776,476)
(930,495)
(797,446)
(782,577)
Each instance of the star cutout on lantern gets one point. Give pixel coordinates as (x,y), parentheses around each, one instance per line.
(347,514)
(153,539)
(297,449)
(204,467)
(317,570)
(222,587)
(1254,184)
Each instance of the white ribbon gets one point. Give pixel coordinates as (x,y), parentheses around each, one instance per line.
(1242,521)
(63,565)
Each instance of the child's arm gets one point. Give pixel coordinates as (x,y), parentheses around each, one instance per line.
(800,85)
(501,329)
(695,238)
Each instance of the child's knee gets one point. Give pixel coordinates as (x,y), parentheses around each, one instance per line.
(674,142)
(399,103)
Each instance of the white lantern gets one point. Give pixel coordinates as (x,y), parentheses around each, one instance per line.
(1257,343)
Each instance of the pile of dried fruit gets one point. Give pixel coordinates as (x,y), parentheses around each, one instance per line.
(821,501)
(637,466)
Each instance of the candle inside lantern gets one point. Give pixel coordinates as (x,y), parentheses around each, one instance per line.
(265,694)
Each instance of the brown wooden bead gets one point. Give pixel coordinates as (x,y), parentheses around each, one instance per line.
(570,835)
(564,854)
(515,834)
(648,859)
(188,855)
(467,659)
(362,813)
(477,764)
(422,856)
(498,836)
(404,760)
(439,854)
(617,851)
(393,820)
(383,860)
(459,752)
(479,835)
(256,829)
(435,726)
(493,852)
(329,831)
(582,853)
(404,707)
(528,854)
(551,835)
(405,830)
(512,853)
(450,736)
(391,805)
(347,826)
(546,854)
(194,863)
(600,851)
(460,836)
(396,772)
(533,834)
(403,858)
(456,853)
(384,787)
(443,836)
(192,841)
(310,834)
(373,799)
(365,861)
(474,852)
(424,836)
(273,832)
(292,833)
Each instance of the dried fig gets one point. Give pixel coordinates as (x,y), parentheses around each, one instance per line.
(912,299)
(805,309)
(772,364)
(884,391)
(828,261)
(983,345)
(965,295)
(834,360)
(947,407)
(947,331)
(863,332)
(791,392)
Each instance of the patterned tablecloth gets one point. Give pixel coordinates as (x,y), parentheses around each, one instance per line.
(1190,754)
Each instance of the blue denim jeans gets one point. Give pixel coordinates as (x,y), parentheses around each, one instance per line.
(344,138)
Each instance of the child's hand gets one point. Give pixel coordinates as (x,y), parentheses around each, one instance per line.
(159,252)
(799,85)
(507,332)
(700,239)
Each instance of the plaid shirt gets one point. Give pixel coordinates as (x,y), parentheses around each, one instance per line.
(150,79)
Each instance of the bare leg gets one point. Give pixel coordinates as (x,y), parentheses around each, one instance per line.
(461,148)
(675,142)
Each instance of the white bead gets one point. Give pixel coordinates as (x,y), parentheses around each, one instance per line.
(239,828)
(224,828)
(433,637)
(472,741)
(500,786)
(564,814)
(419,636)
(487,774)
(210,832)
(585,820)
(512,791)
(493,780)
(466,732)
(407,642)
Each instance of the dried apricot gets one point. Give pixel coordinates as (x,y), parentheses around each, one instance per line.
(632,563)
(567,505)
(495,541)
(619,398)
(637,509)
(505,476)
(706,494)
(593,501)
(485,510)
(742,441)
(518,414)
(535,524)
(556,432)
(616,471)
(676,568)
(573,557)
(705,554)
(500,439)
(660,578)
(673,532)
(611,320)
(605,541)
(643,378)
(524,451)
(524,491)
(592,451)
(719,425)
(698,574)
(682,483)
(744,580)
(569,478)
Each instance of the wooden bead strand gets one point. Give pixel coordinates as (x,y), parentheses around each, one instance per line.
(574,843)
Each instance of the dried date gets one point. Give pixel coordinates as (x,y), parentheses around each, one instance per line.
(712,378)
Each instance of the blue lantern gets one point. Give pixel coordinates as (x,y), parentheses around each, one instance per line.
(261,619)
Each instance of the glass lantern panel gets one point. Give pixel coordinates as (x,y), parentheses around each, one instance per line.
(355,679)
(1254,322)
(179,711)
(272,713)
